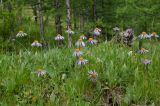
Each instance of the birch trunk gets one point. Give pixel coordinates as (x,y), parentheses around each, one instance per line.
(69,22)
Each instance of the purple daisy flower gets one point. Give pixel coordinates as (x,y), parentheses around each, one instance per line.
(82,61)
(97,31)
(93,75)
(92,41)
(77,52)
(80,43)
(83,37)
(146,62)
(41,72)
(143,50)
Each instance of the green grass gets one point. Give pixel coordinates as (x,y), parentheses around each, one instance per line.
(122,77)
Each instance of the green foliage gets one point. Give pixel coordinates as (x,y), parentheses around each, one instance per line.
(20,82)
(122,78)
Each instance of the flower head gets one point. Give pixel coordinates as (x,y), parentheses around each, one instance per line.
(21,34)
(83,37)
(77,52)
(81,61)
(154,34)
(36,44)
(143,50)
(59,37)
(92,41)
(41,72)
(69,31)
(80,43)
(93,75)
(116,29)
(146,62)
(144,35)
(97,31)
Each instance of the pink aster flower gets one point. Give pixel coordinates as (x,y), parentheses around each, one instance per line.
(93,75)
(97,31)
(83,37)
(80,43)
(59,37)
(143,50)
(146,62)
(77,52)
(41,72)
(82,61)
(92,41)
(21,34)
(154,34)
(69,31)
(36,44)
(144,35)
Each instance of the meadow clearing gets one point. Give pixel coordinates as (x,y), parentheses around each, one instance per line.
(79,53)
(121,79)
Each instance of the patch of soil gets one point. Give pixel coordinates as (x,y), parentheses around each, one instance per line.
(112,96)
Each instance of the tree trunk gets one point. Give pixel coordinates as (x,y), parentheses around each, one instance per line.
(69,22)
(75,16)
(10,8)
(58,17)
(12,22)
(1,2)
(81,21)
(35,13)
(41,20)
(103,8)
(94,11)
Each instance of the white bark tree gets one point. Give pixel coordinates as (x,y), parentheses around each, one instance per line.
(69,22)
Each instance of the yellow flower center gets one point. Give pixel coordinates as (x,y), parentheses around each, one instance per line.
(145,59)
(58,35)
(90,39)
(144,33)
(142,49)
(20,31)
(36,41)
(77,50)
(154,33)
(39,70)
(80,40)
(81,58)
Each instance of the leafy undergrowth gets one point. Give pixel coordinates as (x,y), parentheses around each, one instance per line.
(122,79)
